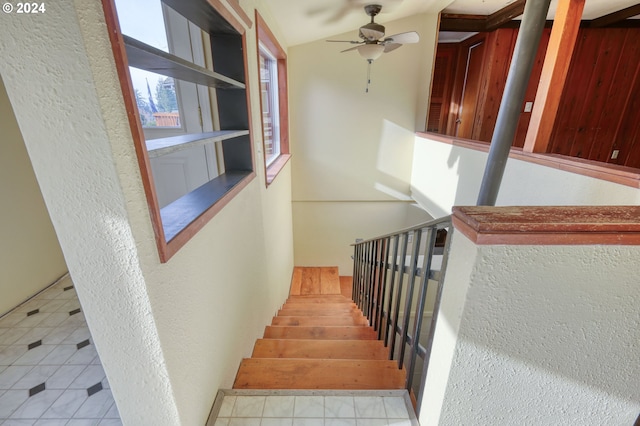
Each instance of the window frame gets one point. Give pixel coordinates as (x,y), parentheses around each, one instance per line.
(225,189)
(266,38)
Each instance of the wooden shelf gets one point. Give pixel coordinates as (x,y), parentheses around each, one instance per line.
(164,146)
(143,56)
(186,209)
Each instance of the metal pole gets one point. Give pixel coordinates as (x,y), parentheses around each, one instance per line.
(533,20)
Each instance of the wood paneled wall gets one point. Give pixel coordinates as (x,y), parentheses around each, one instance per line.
(600,106)
(599,110)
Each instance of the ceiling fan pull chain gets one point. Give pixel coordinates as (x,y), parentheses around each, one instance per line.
(369,62)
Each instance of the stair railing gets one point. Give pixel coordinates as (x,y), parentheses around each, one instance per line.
(388,272)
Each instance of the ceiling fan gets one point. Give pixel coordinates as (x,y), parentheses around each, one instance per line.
(373,45)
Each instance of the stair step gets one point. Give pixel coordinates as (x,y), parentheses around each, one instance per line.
(307,321)
(325,333)
(271,373)
(328,298)
(320,349)
(315,280)
(318,312)
(319,306)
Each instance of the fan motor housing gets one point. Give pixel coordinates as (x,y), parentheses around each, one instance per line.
(371,31)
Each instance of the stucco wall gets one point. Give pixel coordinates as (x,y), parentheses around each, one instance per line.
(445,175)
(352,148)
(169,335)
(30,256)
(542,335)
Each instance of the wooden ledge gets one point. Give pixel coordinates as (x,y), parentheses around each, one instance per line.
(552,225)
(615,173)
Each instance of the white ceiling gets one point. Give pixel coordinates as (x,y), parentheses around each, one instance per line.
(302,21)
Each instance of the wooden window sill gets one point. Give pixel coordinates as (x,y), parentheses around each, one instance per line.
(622,175)
(275,167)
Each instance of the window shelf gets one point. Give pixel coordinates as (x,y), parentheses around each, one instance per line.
(143,56)
(186,209)
(164,146)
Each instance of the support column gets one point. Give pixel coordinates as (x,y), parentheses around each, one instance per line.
(554,73)
(533,20)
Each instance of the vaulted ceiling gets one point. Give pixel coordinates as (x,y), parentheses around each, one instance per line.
(302,21)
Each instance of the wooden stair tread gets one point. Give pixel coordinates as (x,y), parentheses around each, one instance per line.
(320,332)
(320,349)
(319,306)
(318,312)
(311,321)
(278,373)
(314,298)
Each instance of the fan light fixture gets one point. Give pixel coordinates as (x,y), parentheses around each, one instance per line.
(371,52)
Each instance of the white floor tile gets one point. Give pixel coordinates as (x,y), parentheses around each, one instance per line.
(53,306)
(248,406)
(308,422)
(222,422)
(12,374)
(395,407)
(37,375)
(110,422)
(9,354)
(66,405)
(12,335)
(369,407)
(54,319)
(80,334)
(112,413)
(89,377)
(227,406)
(10,401)
(36,405)
(59,355)
(277,422)
(96,406)
(84,356)
(278,406)
(33,320)
(339,406)
(32,335)
(51,422)
(244,422)
(64,376)
(11,319)
(83,422)
(19,422)
(339,422)
(34,356)
(309,406)
(59,334)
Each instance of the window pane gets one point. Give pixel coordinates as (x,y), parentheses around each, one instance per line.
(270,115)
(156,99)
(131,15)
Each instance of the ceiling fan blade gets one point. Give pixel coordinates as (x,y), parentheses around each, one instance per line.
(403,38)
(388,47)
(345,41)
(349,49)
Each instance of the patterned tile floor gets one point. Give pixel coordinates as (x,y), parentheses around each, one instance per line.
(50,372)
(312,408)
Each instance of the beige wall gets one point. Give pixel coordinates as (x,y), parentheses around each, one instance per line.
(352,150)
(169,335)
(30,256)
(444,176)
(542,333)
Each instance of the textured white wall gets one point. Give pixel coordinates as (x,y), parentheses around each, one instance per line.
(444,176)
(169,335)
(546,335)
(349,146)
(30,256)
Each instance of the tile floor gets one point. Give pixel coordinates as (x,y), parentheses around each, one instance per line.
(312,408)
(50,372)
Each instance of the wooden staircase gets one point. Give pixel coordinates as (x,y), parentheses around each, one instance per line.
(319,340)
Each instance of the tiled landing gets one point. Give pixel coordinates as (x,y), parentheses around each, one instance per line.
(50,372)
(312,408)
